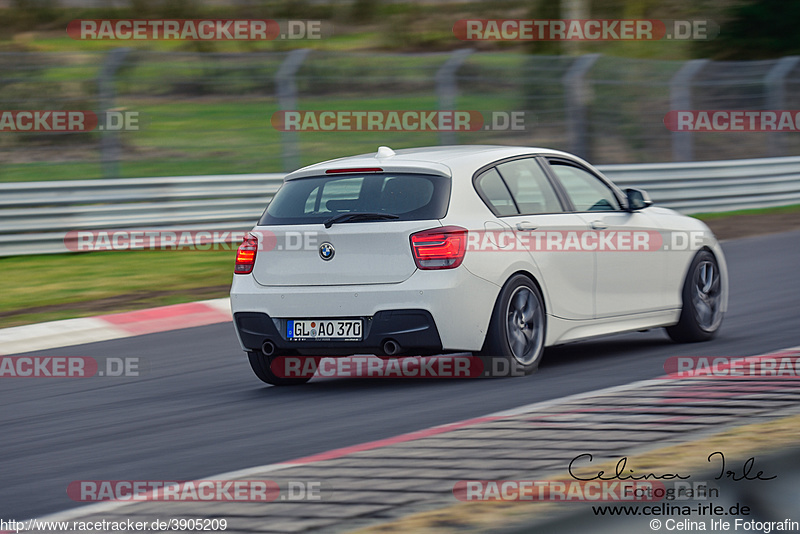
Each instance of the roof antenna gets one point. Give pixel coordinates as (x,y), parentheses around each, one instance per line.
(384,152)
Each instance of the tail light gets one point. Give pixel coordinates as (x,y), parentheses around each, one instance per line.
(439,248)
(246,255)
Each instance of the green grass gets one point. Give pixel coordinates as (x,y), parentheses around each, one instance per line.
(75,279)
(218,135)
(758,211)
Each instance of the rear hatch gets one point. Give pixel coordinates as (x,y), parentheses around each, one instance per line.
(347,229)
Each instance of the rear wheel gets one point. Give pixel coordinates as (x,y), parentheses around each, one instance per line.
(262,367)
(701,314)
(515,341)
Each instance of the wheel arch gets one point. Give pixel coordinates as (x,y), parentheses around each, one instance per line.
(491,345)
(533,279)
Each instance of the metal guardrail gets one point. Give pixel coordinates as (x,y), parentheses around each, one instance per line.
(36,216)
(714,186)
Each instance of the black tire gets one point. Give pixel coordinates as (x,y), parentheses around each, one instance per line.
(515,341)
(261,365)
(701,314)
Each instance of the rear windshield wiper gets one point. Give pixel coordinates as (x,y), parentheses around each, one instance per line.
(359,216)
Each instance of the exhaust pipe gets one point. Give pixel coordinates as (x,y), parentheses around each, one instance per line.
(391,347)
(268,348)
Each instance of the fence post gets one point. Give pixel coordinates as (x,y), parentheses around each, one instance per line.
(109,139)
(573,10)
(576,96)
(286,89)
(776,99)
(447,88)
(680,98)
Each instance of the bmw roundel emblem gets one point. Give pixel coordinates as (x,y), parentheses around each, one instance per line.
(326,251)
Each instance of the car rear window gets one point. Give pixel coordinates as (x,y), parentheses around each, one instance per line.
(314,200)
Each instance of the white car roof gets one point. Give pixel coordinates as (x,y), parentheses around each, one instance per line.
(440,160)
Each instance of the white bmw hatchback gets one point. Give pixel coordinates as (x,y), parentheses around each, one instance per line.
(499,251)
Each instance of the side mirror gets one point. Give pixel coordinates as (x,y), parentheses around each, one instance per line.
(637,199)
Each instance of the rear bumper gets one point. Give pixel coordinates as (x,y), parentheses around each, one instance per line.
(414,330)
(457,303)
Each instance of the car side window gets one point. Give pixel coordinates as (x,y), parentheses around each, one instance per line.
(587,191)
(495,193)
(529,186)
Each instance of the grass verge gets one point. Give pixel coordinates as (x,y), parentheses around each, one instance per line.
(795,208)
(746,223)
(61,286)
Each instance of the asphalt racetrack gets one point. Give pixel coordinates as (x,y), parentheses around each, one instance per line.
(198,410)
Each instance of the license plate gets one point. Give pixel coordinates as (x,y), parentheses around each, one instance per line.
(324,330)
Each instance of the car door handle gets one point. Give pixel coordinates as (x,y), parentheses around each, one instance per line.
(599,225)
(525,226)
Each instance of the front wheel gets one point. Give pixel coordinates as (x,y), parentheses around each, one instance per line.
(701,314)
(262,367)
(515,340)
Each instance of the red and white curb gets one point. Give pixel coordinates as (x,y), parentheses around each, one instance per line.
(54,334)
